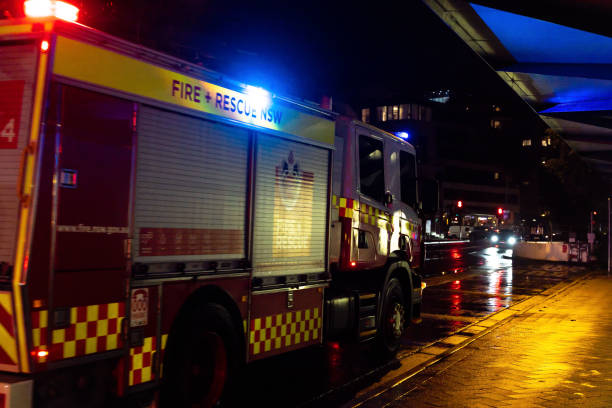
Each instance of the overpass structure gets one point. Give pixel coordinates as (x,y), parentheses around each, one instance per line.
(556,55)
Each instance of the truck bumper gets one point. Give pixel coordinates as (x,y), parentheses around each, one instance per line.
(15,391)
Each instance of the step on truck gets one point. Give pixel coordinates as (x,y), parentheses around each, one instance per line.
(161,226)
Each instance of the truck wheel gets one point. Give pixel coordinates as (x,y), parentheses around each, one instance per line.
(393,319)
(201,358)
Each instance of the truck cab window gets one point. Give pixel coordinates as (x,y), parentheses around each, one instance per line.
(408,178)
(371,168)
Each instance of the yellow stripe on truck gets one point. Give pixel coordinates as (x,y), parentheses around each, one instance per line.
(24,214)
(96,65)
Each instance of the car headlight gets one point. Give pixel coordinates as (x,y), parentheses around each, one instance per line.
(511,241)
(494,238)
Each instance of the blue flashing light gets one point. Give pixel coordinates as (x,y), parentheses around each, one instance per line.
(403,135)
(532,40)
(259,97)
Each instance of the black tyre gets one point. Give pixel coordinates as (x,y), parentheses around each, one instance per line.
(202,357)
(393,319)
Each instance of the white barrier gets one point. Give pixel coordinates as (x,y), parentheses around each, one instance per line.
(543,251)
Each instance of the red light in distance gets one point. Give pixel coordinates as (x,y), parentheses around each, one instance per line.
(459,204)
(500,211)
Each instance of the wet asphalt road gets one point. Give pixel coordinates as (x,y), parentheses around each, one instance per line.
(464,284)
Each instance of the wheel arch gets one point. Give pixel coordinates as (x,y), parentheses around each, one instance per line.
(210,294)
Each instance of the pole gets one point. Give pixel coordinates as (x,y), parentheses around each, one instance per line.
(609,242)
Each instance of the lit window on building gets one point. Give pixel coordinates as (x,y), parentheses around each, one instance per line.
(496,176)
(381,113)
(390,112)
(395,112)
(546,142)
(496,124)
(401,112)
(526,142)
(365,115)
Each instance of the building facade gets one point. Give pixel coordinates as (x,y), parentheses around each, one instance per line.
(468,147)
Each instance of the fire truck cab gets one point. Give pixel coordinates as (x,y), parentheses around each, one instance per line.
(161,225)
(375,238)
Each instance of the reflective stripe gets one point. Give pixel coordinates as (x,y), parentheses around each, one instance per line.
(8,345)
(284,330)
(349,208)
(92,329)
(141,368)
(141,362)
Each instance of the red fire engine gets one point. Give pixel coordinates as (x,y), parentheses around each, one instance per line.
(150,208)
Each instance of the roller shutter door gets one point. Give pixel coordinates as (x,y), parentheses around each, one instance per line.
(190,201)
(17,67)
(290,207)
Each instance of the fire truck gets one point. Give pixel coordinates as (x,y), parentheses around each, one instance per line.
(161,225)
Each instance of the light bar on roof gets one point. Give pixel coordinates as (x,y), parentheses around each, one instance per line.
(51,8)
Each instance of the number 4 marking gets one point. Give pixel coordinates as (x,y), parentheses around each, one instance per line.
(9,130)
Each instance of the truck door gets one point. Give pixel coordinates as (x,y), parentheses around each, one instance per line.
(372,236)
(94,160)
(405,236)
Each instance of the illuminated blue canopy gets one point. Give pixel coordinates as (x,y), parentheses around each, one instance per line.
(532,40)
(564,73)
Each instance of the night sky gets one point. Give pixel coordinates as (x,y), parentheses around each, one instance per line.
(350,51)
(354,51)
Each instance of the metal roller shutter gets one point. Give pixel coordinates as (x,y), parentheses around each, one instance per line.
(190,201)
(17,67)
(290,207)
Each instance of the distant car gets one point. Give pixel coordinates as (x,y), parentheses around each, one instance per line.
(505,239)
(459,231)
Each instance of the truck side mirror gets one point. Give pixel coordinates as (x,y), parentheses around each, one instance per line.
(428,194)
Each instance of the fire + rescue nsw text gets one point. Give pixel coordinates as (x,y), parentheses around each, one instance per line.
(225,102)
